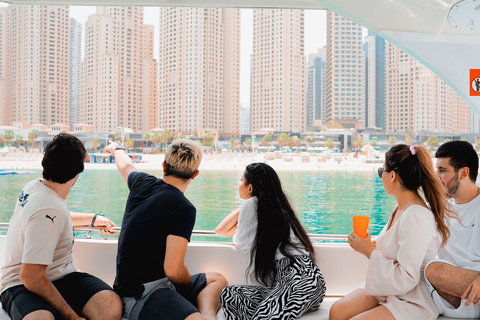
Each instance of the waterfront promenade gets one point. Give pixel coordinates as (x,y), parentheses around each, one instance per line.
(228,161)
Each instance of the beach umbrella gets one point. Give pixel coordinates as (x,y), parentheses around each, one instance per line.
(367,147)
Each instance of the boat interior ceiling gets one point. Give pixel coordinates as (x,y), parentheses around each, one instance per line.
(443,34)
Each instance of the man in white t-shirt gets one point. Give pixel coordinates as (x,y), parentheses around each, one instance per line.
(454,279)
(39,278)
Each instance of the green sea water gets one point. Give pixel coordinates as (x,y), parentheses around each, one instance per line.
(324,201)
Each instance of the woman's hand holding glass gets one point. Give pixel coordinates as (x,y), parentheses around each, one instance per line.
(362,245)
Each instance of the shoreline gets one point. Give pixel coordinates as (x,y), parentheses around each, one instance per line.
(218,162)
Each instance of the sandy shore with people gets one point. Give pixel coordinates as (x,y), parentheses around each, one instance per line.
(227,162)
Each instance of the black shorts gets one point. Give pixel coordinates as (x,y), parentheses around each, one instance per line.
(76,288)
(170,304)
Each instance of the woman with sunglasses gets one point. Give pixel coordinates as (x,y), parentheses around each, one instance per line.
(394,288)
(282,258)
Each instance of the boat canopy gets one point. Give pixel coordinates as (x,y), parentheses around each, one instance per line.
(442,34)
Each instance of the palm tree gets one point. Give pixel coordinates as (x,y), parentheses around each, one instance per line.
(208,140)
(19,140)
(329,144)
(2,139)
(146,136)
(282,139)
(95,143)
(165,136)
(267,139)
(392,140)
(32,135)
(129,143)
(8,136)
(310,138)
(357,143)
(248,142)
(117,137)
(233,143)
(432,141)
(155,138)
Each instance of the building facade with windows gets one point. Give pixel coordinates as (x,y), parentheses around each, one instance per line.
(345,73)
(278,71)
(374,51)
(316,87)
(34,54)
(418,100)
(119,73)
(199,65)
(74,71)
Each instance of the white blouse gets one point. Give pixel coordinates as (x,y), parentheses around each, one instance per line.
(247,230)
(396,267)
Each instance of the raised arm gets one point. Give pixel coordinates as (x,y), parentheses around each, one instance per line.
(228,226)
(122,160)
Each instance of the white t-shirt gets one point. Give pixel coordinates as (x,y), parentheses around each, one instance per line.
(247,230)
(40,232)
(463,246)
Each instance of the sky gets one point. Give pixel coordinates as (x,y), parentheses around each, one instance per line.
(315,37)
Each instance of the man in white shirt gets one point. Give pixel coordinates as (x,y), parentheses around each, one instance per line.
(39,278)
(454,279)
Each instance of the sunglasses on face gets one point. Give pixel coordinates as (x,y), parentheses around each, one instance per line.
(381,170)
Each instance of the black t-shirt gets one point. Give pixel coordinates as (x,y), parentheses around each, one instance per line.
(154,210)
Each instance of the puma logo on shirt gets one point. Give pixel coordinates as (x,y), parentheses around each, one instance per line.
(47,216)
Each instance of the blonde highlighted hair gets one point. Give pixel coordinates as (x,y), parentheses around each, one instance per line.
(182,159)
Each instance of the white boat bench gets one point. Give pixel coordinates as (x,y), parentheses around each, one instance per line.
(343,269)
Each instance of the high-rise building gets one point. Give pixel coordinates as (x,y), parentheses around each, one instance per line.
(418,100)
(245,120)
(74,64)
(316,87)
(374,50)
(4,103)
(199,63)
(119,74)
(34,64)
(474,122)
(278,71)
(345,73)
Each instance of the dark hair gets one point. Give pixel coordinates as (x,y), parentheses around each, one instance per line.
(461,154)
(63,158)
(417,171)
(275,220)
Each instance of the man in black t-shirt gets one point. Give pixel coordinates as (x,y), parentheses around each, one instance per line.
(152,278)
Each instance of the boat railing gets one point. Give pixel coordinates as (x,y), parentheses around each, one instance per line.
(202,233)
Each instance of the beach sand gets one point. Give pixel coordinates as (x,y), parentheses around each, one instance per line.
(225,162)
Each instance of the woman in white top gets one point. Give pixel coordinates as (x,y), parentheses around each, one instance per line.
(394,288)
(281,255)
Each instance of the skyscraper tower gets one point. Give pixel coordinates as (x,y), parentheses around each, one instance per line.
(34,45)
(199,85)
(74,71)
(418,100)
(5,117)
(119,74)
(345,73)
(278,86)
(374,49)
(316,87)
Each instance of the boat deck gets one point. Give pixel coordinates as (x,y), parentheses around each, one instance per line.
(343,269)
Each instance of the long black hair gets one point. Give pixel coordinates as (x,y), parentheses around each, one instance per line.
(275,220)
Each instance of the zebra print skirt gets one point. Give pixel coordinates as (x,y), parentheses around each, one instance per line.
(297,289)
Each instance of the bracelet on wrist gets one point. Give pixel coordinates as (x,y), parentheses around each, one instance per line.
(95,218)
